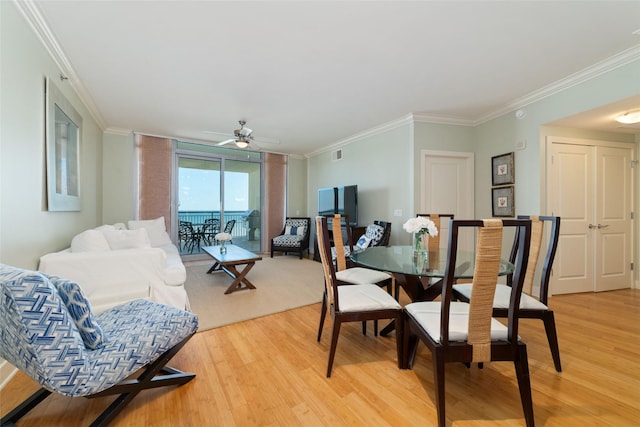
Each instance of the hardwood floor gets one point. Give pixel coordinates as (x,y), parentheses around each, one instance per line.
(271,372)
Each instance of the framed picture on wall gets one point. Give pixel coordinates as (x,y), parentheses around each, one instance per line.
(62,140)
(503,203)
(502,169)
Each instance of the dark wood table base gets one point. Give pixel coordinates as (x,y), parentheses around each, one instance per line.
(238,276)
(418,288)
(229,262)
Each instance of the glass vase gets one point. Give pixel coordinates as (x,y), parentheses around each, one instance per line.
(223,246)
(420,251)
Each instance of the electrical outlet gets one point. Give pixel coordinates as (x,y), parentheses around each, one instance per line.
(521,144)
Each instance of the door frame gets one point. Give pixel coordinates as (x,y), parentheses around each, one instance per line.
(546,193)
(469,160)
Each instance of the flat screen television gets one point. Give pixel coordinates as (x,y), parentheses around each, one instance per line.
(339,200)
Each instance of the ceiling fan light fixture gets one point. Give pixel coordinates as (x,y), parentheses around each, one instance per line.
(629,118)
(242,144)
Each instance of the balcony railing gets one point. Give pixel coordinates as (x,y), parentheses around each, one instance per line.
(243,230)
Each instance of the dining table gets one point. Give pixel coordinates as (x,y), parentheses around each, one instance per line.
(419,273)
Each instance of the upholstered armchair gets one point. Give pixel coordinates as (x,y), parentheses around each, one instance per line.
(294,236)
(48,331)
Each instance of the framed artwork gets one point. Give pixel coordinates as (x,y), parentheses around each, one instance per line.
(502,169)
(503,203)
(63,131)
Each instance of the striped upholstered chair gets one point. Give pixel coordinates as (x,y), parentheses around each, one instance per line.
(47,330)
(294,236)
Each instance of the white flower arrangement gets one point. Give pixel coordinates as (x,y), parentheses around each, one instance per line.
(223,237)
(420,225)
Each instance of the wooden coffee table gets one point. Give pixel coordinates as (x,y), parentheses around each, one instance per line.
(227,262)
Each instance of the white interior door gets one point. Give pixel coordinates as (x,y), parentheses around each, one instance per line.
(589,187)
(571,190)
(613,219)
(447,187)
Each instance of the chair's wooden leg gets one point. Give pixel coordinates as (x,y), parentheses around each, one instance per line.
(552,337)
(364,327)
(438,378)
(21,410)
(334,343)
(323,314)
(524,383)
(400,341)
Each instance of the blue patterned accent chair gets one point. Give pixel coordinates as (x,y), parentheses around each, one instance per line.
(47,330)
(294,236)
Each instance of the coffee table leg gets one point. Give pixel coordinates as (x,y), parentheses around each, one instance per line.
(239,276)
(214,267)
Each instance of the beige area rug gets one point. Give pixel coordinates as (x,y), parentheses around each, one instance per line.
(282,283)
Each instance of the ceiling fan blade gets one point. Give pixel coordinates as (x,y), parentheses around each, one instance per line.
(228,141)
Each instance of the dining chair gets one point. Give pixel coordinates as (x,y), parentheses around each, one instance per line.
(352,303)
(346,275)
(466,332)
(530,306)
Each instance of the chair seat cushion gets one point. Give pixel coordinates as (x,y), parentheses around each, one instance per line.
(502,297)
(361,276)
(293,241)
(365,298)
(427,315)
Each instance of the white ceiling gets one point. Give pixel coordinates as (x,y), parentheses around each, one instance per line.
(311,74)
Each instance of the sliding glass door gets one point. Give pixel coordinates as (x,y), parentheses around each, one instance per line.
(215,192)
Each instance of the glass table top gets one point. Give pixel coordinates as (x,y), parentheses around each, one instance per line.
(401,259)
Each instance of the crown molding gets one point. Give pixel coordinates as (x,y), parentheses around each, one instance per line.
(119,131)
(34,18)
(621,59)
(442,120)
(364,134)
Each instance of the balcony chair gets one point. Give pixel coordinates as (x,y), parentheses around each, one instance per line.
(210,228)
(352,303)
(530,307)
(228,228)
(48,331)
(294,236)
(467,332)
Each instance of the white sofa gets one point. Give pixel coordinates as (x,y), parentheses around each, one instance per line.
(115,264)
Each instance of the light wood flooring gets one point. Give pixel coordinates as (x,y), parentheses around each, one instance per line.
(271,372)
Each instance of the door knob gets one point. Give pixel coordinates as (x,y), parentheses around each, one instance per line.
(591,226)
(603,225)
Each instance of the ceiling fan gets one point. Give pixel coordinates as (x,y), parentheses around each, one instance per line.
(243,137)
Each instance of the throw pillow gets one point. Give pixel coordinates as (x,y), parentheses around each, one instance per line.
(374,232)
(90,241)
(155,228)
(363,242)
(80,311)
(127,239)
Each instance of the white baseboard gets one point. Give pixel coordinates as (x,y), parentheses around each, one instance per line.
(7,371)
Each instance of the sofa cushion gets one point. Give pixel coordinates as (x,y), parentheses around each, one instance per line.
(155,228)
(90,241)
(127,239)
